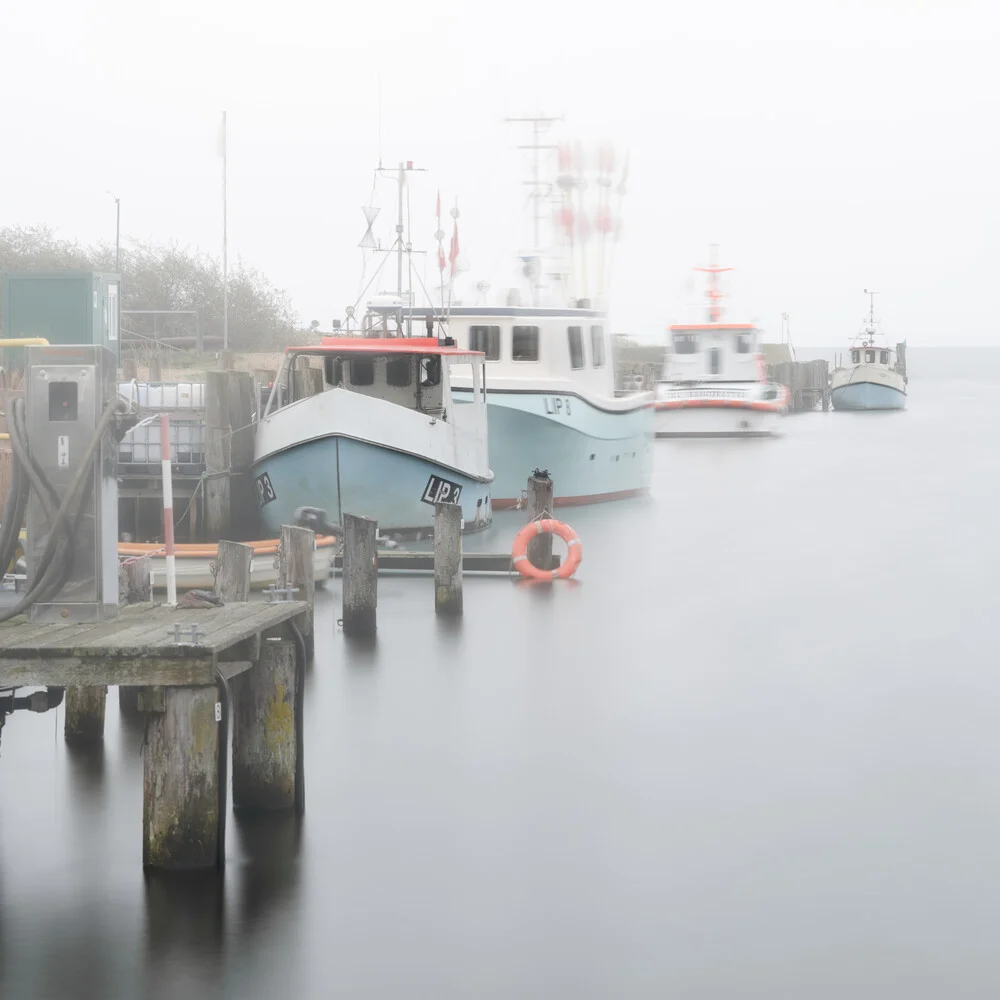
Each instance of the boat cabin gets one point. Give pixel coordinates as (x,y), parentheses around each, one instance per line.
(529,343)
(871,354)
(412,372)
(727,352)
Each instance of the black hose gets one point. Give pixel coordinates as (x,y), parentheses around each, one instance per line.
(55,563)
(300,701)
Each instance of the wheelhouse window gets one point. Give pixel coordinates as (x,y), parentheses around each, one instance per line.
(362,371)
(869,357)
(715,361)
(884,357)
(524,344)
(485,339)
(398,372)
(597,346)
(743,343)
(685,343)
(575,335)
(855,357)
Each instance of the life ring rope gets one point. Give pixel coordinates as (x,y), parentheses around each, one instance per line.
(542,526)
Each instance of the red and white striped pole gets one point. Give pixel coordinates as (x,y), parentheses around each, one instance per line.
(168,508)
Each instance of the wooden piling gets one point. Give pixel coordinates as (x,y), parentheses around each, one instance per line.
(233,566)
(448,558)
(135,586)
(155,370)
(130,370)
(180,814)
(244,514)
(265,734)
(295,569)
(360,577)
(85,714)
(218,454)
(541,492)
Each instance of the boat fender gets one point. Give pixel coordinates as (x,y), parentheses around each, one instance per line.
(574,553)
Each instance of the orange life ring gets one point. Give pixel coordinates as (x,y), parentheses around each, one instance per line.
(574,549)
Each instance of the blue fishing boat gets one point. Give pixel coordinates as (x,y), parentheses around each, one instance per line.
(876,377)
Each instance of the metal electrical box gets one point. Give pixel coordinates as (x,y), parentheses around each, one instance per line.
(67,389)
(64,307)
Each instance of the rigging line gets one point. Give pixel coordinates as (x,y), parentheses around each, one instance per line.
(378,271)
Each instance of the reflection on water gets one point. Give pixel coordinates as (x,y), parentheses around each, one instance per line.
(750,752)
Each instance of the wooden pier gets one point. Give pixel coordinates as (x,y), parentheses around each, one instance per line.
(185,667)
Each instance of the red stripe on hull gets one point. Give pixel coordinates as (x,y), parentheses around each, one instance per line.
(508,504)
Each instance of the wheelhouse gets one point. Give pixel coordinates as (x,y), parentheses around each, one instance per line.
(412,372)
(722,351)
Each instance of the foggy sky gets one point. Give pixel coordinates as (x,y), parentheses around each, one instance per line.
(825,148)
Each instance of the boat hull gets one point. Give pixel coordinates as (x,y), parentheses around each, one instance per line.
(592,455)
(342,475)
(731,421)
(867,396)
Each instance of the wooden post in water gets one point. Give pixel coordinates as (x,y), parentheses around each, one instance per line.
(218,454)
(155,370)
(130,370)
(233,566)
(448,558)
(541,491)
(226,358)
(85,714)
(360,575)
(295,569)
(265,734)
(135,586)
(244,514)
(180,810)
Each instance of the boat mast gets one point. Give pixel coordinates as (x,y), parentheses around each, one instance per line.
(539,125)
(870,329)
(714,294)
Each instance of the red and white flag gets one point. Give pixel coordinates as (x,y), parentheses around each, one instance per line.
(453,252)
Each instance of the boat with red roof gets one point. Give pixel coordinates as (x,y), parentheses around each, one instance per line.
(368,425)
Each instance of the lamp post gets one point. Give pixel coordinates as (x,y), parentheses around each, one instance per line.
(118,230)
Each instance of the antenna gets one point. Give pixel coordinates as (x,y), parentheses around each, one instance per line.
(539,126)
(714,294)
(378,89)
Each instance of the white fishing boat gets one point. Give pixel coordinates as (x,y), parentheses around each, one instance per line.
(876,377)
(369,426)
(367,423)
(549,367)
(713,382)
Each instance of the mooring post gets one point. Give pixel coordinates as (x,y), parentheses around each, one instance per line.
(295,569)
(130,370)
(135,586)
(85,714)
(218,454)
(541,491)
(265,730)
(360,575)
(448,558)
(244,514)
(180,810)
(233,567)
(155,370)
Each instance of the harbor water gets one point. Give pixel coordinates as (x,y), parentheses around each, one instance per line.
(750,752)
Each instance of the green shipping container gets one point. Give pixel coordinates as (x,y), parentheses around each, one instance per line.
(64,307)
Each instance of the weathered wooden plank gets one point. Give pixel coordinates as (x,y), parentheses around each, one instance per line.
(144,636)
(139,671)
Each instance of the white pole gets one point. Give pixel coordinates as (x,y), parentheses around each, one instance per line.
(225,241)
(168,508)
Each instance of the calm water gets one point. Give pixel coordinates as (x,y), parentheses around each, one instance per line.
(752,753)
